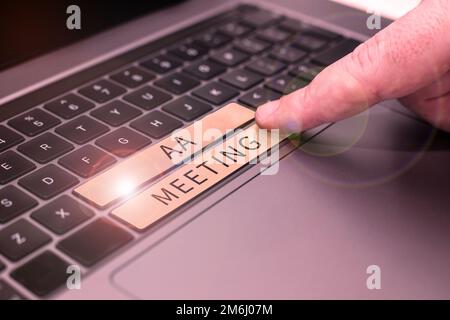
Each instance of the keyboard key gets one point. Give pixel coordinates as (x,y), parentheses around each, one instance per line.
(102,91)
(260,19)
(123,142)
(8,138)
(13,166)
(177,83)
(20,239)
(48,181)
(161,64)
(43,274)
(82,129)
(188,51)
(108,187)
(205,70)
(288,54)
(62,214)
(95,241)
(319,32)
(192,179)
(215,93)
(156,124)
(306,71)
(280,83)
(258,97)
(9,293)
(69,106)
(273,35)
(252,45)
(13,203)
(212,40)
(132,77)
(230,57)
(187,108)
(45,148)
(290,24)
(116,113)
(147,97)
(235,29)
(242,79)
(34,122)
(337,52)
(309,42)
(266,66)
(87,161)
(286,84)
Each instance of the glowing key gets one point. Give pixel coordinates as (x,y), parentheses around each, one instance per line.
(143,167)
(197,176)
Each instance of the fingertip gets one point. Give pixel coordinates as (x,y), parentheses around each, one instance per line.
(271,116)
(265,114)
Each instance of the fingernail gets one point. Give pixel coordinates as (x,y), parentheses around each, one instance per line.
(264,112)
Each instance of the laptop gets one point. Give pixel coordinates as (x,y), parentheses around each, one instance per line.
(93,206)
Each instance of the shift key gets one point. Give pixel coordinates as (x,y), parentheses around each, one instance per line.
(143,167)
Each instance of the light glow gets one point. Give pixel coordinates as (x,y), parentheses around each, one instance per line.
(125,187)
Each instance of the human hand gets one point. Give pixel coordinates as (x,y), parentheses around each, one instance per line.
(409,60)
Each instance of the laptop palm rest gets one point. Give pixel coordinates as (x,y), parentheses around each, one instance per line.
(371,190)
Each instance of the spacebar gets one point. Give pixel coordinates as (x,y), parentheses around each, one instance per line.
(194,178)
(138,170)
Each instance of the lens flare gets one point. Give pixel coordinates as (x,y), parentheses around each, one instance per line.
(125,187)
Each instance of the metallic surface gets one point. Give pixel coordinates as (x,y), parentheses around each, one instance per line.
(369,190)
(311,230)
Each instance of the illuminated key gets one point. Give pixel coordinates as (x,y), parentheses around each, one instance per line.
(150,163)
(192,179)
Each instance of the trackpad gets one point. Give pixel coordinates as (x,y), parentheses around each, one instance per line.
(353,199)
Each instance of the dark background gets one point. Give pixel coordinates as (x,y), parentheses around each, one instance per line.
(30,28)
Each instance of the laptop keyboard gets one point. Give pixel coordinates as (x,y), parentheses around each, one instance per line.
(57,157)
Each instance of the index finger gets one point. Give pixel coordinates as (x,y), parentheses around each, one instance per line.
(407,55)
